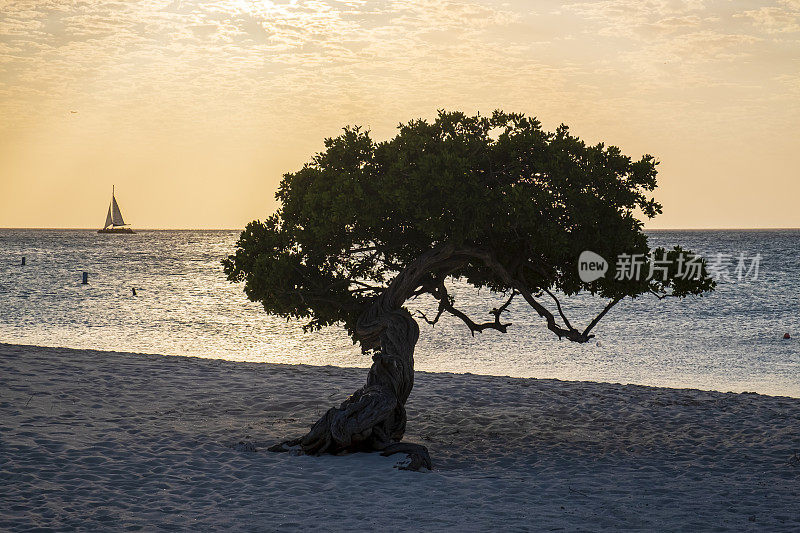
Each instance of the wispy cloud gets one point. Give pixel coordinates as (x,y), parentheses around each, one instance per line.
(277,73)
(781,18)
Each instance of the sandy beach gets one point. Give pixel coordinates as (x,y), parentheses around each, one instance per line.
(102,440)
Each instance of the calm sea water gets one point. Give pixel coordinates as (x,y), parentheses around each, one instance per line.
(728,341)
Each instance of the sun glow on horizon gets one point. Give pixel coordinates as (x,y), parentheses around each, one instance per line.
(196,109)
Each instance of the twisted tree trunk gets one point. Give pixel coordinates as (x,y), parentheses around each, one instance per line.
(374,417)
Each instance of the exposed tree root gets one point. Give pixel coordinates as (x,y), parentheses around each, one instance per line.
(416,452)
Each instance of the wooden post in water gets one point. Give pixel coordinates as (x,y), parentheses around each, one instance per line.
(85,278)
(23,260)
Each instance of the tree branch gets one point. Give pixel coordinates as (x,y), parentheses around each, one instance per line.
(560,311)
(428,272)
(605,310)
(571,333)
(499,310)
(435,319)
(446,304)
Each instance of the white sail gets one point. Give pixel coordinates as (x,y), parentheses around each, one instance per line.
(116,215)
(109,220)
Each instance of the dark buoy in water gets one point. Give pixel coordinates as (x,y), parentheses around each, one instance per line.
(23,260)
(85,278)
(787,336)
(133,290)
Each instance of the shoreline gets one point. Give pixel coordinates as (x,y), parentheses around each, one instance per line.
(366,366)
(107,439)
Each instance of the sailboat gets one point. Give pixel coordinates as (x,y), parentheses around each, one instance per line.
(114,222)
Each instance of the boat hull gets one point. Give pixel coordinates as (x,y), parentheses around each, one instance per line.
(116,230)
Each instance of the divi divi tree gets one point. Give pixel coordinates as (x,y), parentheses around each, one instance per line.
(494,201)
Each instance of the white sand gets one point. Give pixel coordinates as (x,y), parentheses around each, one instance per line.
(102,440)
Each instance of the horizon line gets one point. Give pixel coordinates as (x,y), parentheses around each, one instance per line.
(759,228)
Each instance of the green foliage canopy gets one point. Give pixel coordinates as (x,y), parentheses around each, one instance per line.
(361,211)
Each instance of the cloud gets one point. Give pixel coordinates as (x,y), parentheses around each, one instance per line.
(245,60)
(165,87)
(783,18)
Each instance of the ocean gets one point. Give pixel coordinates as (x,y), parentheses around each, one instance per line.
(730,340)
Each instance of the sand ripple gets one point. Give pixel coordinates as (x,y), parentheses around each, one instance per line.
(98,440)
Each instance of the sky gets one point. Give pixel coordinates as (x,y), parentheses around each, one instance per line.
(195,109)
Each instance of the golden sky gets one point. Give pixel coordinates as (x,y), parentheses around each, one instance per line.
(195,109)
